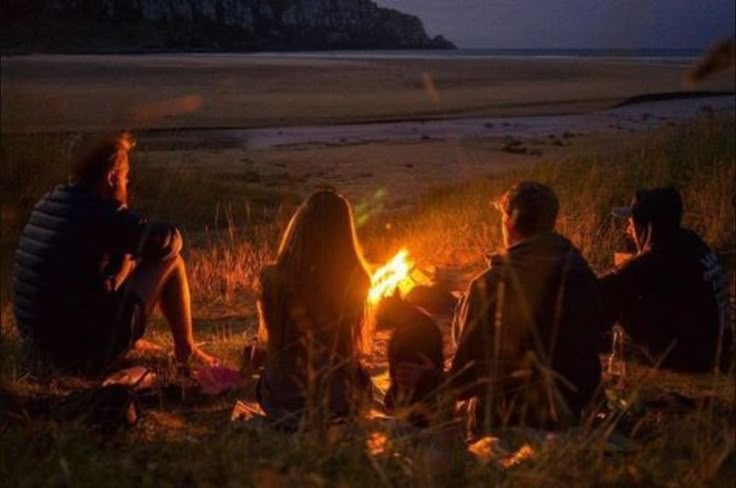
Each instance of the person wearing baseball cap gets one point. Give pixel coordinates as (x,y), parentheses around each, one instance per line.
(672,296)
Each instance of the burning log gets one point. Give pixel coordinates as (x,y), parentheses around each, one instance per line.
(433,298)
(398,273)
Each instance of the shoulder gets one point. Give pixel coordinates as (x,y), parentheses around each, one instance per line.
(569,255)
(498,264)
(65,195)
(579,266)
(83,201)
(638,267)
(691,242)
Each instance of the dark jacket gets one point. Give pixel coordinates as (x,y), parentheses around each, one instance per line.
(527,334)
(69,254)
(673,298)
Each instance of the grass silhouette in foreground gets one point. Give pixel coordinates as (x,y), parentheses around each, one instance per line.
(665,429)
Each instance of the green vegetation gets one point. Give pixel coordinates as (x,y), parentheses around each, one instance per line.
(456,225)
(666,429)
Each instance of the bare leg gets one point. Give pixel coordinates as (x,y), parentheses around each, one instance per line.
(165,283)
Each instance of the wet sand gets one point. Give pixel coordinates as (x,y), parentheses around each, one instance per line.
(391,164)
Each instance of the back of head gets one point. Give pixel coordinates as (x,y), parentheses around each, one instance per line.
(532,208)
(320,268)
(95,155)
(319,252)
(658,208)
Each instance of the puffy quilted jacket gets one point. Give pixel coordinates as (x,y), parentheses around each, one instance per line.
(70,251)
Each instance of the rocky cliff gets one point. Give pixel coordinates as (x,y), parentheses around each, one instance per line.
(140,25)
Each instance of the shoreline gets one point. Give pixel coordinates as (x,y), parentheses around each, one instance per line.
(80,93)
(382,131)
(444,53)
(657,103)
(402,161)
(643,99)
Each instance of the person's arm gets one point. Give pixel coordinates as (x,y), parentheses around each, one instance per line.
(615,289)
(473,334)
(134,235)
(160,241)
(586,319)
(264,304)
(622,291)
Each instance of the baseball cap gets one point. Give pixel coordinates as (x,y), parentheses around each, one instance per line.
(662,207)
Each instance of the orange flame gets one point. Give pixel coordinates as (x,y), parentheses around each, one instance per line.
(524,453)
(377,443)
(388,277)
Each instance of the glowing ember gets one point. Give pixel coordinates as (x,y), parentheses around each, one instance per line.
(377,443)
(488,449)
(390,276)
(524,453)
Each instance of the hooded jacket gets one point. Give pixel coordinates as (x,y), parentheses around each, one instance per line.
(673,299)
(527,333)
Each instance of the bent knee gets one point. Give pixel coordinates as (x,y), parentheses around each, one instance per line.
(159,269)
(150,276)
(172,260)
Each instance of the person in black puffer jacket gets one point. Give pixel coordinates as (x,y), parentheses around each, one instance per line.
(88,271)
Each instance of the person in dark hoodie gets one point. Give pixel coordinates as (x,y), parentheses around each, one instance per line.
(528,328)
(672,297)
(88,271)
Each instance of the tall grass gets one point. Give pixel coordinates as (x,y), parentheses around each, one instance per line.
(229,226)
(457,226)
(231,234)
(690,448)
(233,229)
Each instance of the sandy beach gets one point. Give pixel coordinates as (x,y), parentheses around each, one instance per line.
(400,161)
(369,126)
(228,145)
(63,93)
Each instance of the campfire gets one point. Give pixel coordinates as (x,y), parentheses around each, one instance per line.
(396,273)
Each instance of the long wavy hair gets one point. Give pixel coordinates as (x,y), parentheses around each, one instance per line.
(319,267)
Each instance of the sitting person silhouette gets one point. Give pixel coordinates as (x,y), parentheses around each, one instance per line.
(415,338)
(313,317)
(528,328)
(672,296)
(88,271)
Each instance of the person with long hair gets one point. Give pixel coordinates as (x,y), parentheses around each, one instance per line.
(313,316)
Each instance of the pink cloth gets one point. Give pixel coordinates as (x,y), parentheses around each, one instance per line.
(216,380)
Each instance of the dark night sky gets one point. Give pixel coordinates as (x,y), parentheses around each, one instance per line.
(574,23)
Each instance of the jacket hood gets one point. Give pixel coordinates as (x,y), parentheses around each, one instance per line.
(540,252)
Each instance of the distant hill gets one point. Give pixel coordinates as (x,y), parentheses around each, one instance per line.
(208,25)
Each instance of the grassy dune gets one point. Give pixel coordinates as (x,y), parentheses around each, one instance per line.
(664,429)
(456,225)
